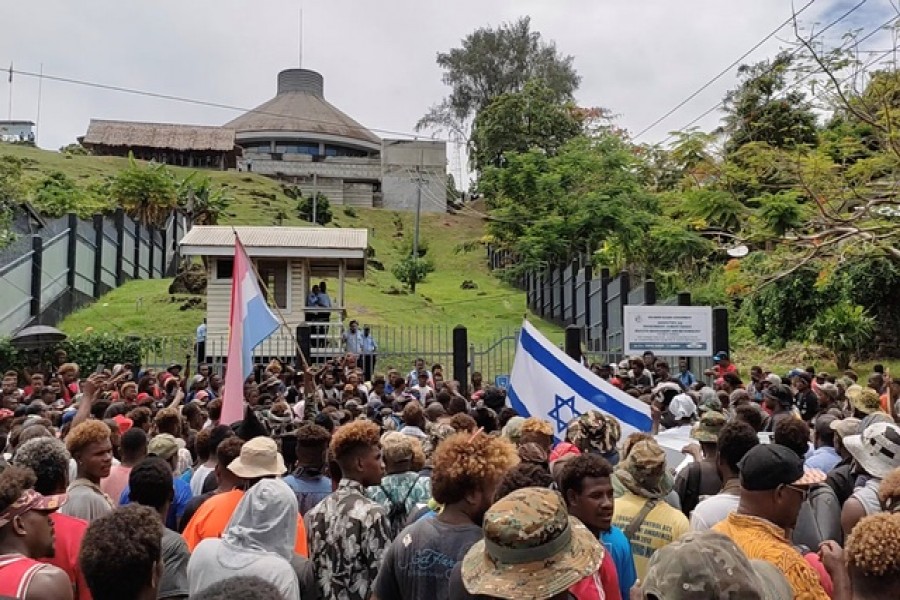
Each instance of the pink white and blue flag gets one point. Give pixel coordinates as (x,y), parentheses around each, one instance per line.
(251,323)
(547,383)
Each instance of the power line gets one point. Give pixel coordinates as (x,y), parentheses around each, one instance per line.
(194,101)
(773,66)
(726,70)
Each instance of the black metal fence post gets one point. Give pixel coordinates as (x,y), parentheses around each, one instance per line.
(120,246)
(461,357)
(649,292)
(573,342)
(720,329)
(98,255)
(304,340)
(37,265)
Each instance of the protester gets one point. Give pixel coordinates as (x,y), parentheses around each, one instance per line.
(151,484)
(734,441)
(244,587)
(89,445)
(647,521)
(402,488)
(133,450)
(701,477)
(841,478)
(595,432)
(531,548)
(226,481)
(164,446)
(708,565)
(467,471)
(773,486)
(348,532)
(877,452)
(48,459)
(824,457)
(121,554)
(26,536)
(259,541)
(585,484)
(873,557)
(309,482)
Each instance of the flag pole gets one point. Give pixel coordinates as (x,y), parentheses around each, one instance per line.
(284,324)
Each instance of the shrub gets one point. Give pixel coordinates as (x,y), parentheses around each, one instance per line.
(845,329)
(350,212)
(87,349)
(410,269)
(323,209)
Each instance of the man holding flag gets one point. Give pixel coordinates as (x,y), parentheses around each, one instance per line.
(250,324)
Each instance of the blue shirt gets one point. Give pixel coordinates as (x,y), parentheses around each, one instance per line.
(824,458)
(619,548)
(201,332)
(312,299)
(324,300)
(179,503)
(309,490)
(687,379)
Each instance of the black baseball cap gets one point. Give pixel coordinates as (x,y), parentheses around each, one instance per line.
(767,466)
(781,394)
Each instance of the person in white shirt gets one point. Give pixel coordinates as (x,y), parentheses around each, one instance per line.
(353,339)
(426,392)
(413,378)
(735,440)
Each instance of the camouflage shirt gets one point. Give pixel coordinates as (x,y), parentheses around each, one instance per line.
(348,534)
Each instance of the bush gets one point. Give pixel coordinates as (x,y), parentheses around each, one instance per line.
(350,212)
(406,246)
(88,350)
(845,329)
(323,209)
(411,269)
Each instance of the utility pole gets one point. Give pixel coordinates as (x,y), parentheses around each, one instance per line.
(315,198)
(418,180)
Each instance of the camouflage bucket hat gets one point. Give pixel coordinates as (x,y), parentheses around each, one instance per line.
(594,431)
(865,400)
(532,549)
(709,566)
(707,430)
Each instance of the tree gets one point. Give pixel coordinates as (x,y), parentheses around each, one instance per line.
(714,209)
(520,121)
(492,62)
(410,270)
(323,211)
(764,109)
(148,194)
(845,329)
(203,203)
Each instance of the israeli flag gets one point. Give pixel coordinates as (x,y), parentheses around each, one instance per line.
(549,384)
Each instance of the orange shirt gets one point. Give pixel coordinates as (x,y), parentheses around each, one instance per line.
(212,518)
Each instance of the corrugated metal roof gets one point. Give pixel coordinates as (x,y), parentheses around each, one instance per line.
(278,237)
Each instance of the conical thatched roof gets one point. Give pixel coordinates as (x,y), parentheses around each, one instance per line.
(300,106)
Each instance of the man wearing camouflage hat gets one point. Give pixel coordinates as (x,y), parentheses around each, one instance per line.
(708,565)
(532,549)
(701,478)
(596,433)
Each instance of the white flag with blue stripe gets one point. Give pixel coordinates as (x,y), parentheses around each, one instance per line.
(547,383)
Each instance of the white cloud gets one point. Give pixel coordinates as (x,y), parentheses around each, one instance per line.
(637,57)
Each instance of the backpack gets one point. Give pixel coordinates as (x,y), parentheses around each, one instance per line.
(819,519)
(398,512)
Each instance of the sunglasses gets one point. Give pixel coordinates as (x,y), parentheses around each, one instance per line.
(804,492)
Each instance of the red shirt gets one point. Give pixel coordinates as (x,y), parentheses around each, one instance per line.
(602,585)
(720,370)
(16,573)
(68,532)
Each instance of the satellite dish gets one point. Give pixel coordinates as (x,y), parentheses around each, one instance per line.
(738,251)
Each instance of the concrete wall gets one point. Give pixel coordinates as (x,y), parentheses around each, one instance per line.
(400,160)
(300,165)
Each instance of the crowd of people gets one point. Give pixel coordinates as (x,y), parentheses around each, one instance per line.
(336,484)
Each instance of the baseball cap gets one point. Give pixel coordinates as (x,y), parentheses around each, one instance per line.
(31,500)
(767,466)
(720,355)
(710,566)
(123,422)
(773,379)
(259,458)
(532,548)
(163,445)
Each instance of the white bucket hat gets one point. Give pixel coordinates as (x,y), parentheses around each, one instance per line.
(259,458)
(877,449)
(682,406)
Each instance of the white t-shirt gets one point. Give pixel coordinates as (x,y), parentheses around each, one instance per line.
(198,478)
(713,510)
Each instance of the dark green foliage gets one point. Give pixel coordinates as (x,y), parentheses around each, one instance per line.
(148,193)
(87,350)
(323,209)
(782,311)
(409,269)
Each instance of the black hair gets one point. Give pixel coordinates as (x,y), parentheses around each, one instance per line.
(736,439)
(133,442)
(217,435)
(325,422)
(577,469)
(793,434)
(505,415)
(486,419)
(456,405)
(245,587)
(150,482)
(749,414)
(523,475)
(494,398)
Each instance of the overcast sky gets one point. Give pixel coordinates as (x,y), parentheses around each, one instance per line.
(636,57)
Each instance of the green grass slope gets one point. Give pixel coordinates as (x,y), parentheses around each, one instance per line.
(145,307)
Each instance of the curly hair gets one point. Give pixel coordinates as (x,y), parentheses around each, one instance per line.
(48,460)
(872,551)
(521,476)
(168,421)
(793,434)
(536,425)
(735,440)
(749,414)
(120,551)
(582,466)
(245,587)
(353,437)
(463,423)
(465,462)
(396,447)
(13,482)
(150,482)
(889,491)
(413,415)
(140,416)
(228,450)
(310,435)
(86,433)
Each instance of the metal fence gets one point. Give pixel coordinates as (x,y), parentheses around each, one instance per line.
(70,262)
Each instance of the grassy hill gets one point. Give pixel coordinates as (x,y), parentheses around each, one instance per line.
(145,307)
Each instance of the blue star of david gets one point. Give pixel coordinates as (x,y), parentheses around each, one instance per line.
(561,420)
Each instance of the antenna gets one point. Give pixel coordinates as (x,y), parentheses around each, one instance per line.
(301,35)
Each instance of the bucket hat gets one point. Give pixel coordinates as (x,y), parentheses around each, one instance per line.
(876,449)
(707,430)
(532,549)
(865,400)
(259,458)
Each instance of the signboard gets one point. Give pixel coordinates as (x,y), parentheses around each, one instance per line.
(669,330)
(501,381)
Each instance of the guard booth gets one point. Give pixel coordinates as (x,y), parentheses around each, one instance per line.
(288,262)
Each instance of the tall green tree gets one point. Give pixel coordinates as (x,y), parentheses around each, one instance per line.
(148,193)
(520,121)
(491,62)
